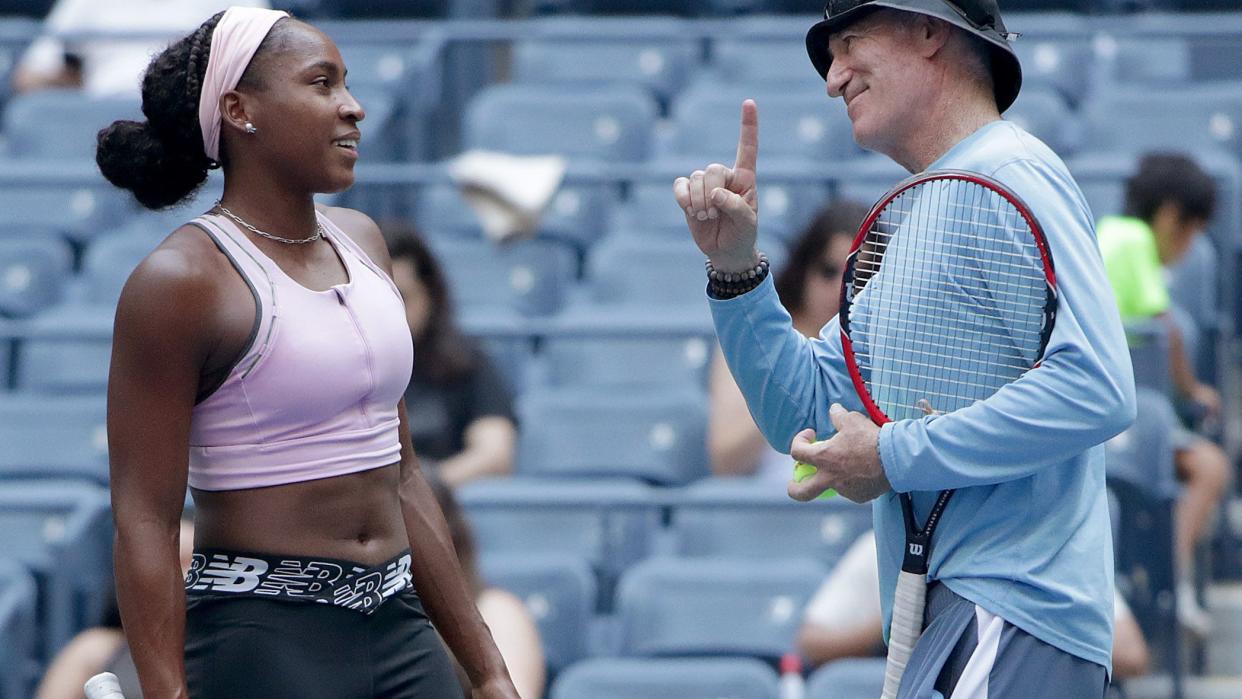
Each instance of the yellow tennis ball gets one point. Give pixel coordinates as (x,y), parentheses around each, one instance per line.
(804,471)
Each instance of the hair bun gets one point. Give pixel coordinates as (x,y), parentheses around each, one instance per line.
(133,157)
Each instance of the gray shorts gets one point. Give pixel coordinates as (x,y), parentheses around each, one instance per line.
(966,652)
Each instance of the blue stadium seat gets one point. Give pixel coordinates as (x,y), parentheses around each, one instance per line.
(630,270)
(75,204)
(793,124)
(1194,289)
(62,531)
(668,678)
(765,50)
(7,333)
(605,123)
(53,436)
(558,590)
(851,677)
(610,523)
(388,9)
(66,349)
(749,518)
(1057,55)
(1178,117)
(18,630)
(32,274)
(15,35)
(628,361)
(1149,354)
(532,277)
(576,213)
(107,265)
(1132,59)
(714,606)
(679,8)
(61,124)
(1141,475)
(653,53)
(656,435)
(1044,113)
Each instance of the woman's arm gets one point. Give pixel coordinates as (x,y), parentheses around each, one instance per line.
(161,341)
(734,443)
(517,637)
(86,656)
(489,445)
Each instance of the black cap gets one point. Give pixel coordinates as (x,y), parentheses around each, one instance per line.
(979,17)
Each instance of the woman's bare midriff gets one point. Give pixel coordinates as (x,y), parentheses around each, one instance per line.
(355,517)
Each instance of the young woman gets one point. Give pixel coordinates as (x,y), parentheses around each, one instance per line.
(260,355)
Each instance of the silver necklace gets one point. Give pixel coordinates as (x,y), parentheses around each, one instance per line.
(290,241)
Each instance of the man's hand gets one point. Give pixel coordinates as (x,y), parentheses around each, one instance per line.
(848,462)
(722,204)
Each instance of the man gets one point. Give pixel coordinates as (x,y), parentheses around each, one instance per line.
(1169,202)
(1021,600)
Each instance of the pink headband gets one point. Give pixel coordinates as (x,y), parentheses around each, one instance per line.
(233,44)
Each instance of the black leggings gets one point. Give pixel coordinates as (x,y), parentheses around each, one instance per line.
(243,647)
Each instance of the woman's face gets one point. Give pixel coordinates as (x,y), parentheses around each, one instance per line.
(414,291)
(821,297)
(307,120)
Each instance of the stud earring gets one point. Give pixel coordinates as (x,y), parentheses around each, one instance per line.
(250,129)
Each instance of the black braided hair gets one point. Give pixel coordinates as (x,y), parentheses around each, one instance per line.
(162,160)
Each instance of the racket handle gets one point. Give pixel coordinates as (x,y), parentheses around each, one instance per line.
(804,471)
(103,686)
(905,629)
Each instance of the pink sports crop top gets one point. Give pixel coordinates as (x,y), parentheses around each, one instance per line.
(315,394)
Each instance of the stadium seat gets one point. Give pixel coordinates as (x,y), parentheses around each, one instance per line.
(1193,288)
(851,677)
(576,213)
(15,35)
(66,349)
(32,274)
(793,124)
(652,53)
(1130,59)
(714,606)
(1177,117)
(1141,475)
(62,531)
(61,124)
(627,361)
(630,270)
(669,678)
(559,591)
(53,436)
(1149,354)
(609,523)
(388,9)
(18,630)
(1058,55)
(655,435)
(532,277)
(77,204)
(750,518)
(1044,113)
(7,333)
(765,50)
(108,263)
(679,8)
(604,123)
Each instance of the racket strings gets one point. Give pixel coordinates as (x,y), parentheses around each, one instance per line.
(948,299)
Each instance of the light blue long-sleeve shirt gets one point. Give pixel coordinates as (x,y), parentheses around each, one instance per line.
(1027,535)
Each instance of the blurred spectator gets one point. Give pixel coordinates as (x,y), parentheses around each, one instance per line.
(842,620)
(102,648)
(103,66)
(460,408)
(810,288)
(506,616)
(1169,201)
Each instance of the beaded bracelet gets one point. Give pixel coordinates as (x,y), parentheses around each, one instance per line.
(727,285)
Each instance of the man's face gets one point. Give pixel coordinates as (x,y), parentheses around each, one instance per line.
(1174,232)
(879,77)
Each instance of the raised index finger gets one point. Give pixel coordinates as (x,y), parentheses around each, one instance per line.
(748,139)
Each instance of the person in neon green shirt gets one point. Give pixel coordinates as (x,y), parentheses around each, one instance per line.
(1169,201)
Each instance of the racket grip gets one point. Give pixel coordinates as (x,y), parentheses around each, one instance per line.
(905,629)
(804,471)
(103,686)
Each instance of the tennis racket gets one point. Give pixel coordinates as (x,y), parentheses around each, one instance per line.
(949,295)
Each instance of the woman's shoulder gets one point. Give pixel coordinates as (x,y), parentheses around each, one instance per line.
(361,229)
